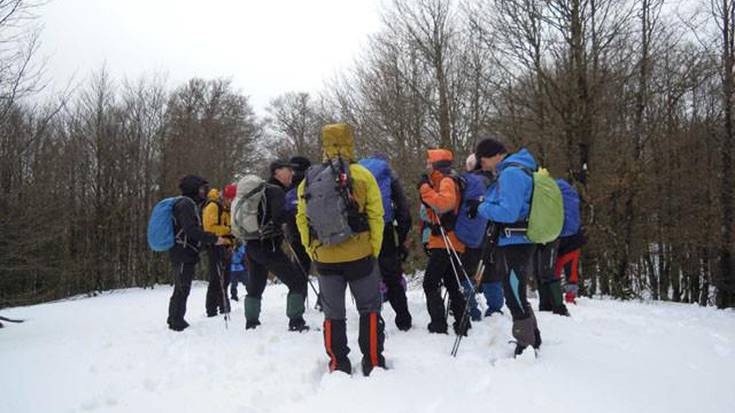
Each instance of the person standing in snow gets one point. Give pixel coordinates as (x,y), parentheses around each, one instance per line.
(238,270)
(265,254)
(394,250)
(301,165)
(570,243)
(490,282)
(440,192)
(190,238)
(508,203)
(216,219)
(340,220)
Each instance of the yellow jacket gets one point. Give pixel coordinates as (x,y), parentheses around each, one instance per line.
(210,221)
(337,140)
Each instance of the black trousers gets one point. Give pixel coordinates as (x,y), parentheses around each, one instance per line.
(219,270)
(267,256)
(544,268)
(183,274)
(439,271)
(392,273)
(516,264)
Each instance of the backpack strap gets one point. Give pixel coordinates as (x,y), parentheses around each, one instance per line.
(520,227)
(181,237)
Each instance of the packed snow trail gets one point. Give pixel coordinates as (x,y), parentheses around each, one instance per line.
(113,353)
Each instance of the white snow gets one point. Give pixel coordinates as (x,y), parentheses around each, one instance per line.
(113,353)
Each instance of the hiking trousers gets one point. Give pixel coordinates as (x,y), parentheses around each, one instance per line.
(219,272)
(183,275)
(267,256)
(515,264)
(440,271)
(363,277)
(391,272)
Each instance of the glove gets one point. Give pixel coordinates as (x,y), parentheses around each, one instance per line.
(402,253)
(472,206)
(424,179)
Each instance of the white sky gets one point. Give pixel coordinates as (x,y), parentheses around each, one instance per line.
(267,47)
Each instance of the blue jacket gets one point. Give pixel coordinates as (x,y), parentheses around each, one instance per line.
(509,199)
(238,260)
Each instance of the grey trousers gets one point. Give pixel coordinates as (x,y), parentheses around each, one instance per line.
(333,281)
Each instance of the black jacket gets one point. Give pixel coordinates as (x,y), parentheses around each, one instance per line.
(401,209)
(190,236)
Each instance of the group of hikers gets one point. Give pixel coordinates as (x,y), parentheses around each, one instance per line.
(491,228)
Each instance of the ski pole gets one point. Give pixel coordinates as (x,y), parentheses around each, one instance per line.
(225,301)
(452,253)
(318,305)
(486,250)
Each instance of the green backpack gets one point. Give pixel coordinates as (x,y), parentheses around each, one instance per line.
(546,213)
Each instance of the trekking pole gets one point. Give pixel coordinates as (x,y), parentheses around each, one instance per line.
(317,305)
(452,253)
(225,301)
(486,250)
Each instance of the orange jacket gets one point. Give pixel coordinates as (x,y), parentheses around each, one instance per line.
(442,196)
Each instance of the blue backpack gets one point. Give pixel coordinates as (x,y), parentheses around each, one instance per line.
(470,230)
(571,209)
(382,173)
(161,235)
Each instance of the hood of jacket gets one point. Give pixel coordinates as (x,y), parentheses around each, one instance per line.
(338,141)
(522,157)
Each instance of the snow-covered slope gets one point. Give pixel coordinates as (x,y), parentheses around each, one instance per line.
(113,353)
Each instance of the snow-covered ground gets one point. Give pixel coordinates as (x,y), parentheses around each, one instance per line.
(113,353)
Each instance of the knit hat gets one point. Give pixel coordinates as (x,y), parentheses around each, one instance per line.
(230,191)
(488,148)
(301,163)
(190,184)
(276,165)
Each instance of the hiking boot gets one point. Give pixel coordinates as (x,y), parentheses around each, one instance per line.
(234,298)
(250,325)
(490,312)
(404,326)
(519,350)
(475,314)
(210,315)
(180,326)
(437,328)
(297,324)
(561,310)
(570,297)
(367,365)
(403,322)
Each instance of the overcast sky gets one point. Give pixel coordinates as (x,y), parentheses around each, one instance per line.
(267,47)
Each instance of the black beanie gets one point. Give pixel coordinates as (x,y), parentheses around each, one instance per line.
(488,148)
(190,184)
(302,163)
